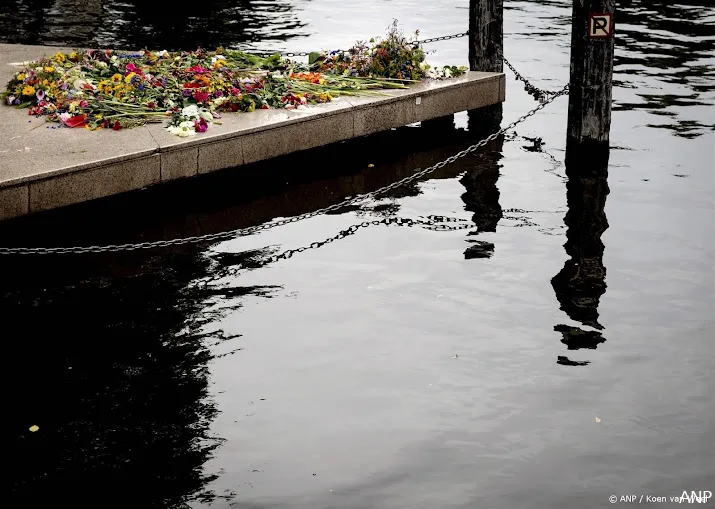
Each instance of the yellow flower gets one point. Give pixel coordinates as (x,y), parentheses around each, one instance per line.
(59,57)
(116,78)
(220,63)
(49,69)
(102,84)
(45,83)
(99,117)
(129,77)
(21,76)
(28,90)
(108,89)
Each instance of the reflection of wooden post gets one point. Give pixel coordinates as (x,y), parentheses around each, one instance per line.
(486,43)
(590,87)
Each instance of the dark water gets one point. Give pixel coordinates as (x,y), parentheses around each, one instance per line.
(397,367)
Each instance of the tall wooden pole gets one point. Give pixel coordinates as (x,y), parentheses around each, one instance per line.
(486,35)
(486,46)
(590,86)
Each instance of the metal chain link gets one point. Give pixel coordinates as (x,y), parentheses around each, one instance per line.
(216,237)
(443,38)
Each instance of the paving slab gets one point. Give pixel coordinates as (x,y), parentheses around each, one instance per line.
(43,166)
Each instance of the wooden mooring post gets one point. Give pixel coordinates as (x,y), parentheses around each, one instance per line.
(590,85)
(486,46)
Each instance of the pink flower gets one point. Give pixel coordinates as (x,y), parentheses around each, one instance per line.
(133,68)
(200,126)
(83,104)
(10,100)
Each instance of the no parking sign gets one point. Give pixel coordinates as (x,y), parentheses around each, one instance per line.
(600,25)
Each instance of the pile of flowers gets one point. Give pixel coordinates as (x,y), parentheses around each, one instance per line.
(103,89)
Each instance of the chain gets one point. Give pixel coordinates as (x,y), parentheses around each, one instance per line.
(216,237)
(535,92)
(267,53)
(434,223)
(443,38)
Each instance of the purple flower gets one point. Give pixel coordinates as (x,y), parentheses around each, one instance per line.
(186,93)
(10,100)
(40,94)
(17,102)
(218,93)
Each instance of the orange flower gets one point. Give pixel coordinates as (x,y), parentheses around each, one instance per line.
(204,80)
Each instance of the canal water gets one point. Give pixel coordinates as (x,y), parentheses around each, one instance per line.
(558,353)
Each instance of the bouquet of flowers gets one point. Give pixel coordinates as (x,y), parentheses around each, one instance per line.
(101,89)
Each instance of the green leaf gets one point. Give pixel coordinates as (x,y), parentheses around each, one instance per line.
(313,57)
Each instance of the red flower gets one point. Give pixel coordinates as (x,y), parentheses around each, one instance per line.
(117,126)
(76,121)
(201,96)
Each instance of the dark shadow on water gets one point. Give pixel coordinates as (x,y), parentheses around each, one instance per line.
(137,24)
(581,283)
(109,356)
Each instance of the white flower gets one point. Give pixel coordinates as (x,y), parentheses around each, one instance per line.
(447,73)
(102,64)
(217,57)
(206,115)
(162,53)
(190,111)
(184,129)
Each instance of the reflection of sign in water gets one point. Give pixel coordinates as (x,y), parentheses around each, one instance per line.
(600,25)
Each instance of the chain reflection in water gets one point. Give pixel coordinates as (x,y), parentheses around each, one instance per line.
(252,260)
